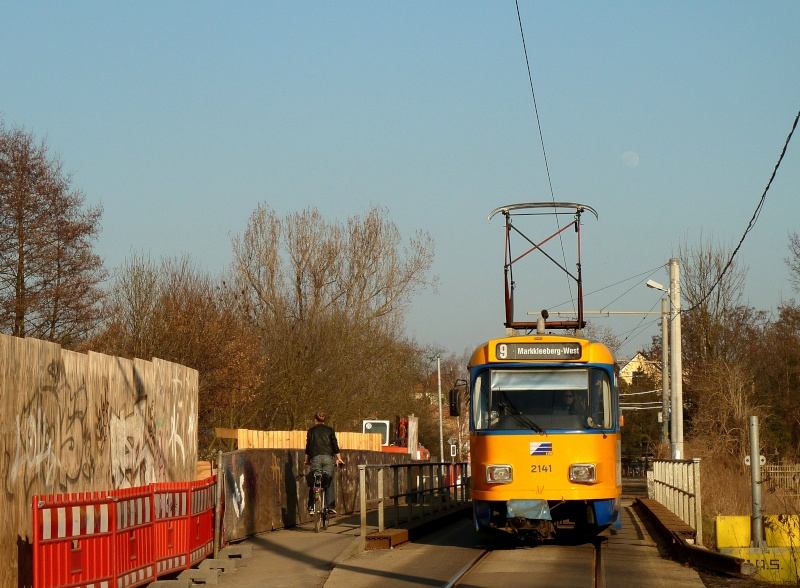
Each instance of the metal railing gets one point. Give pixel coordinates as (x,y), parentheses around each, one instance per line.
(635,467)
(676,485)
(418,490)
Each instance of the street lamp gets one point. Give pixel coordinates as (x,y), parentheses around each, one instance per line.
(675,364)
(439,380)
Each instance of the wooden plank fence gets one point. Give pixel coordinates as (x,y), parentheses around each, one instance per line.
(250,439)
(783,478)
(74,422)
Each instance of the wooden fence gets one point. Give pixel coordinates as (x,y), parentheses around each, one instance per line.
(73,422)
(249,439)
(783,478)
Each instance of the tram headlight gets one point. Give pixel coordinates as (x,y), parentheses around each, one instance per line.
(499,474)
(583,473)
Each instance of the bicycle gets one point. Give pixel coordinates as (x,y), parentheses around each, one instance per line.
(321,482)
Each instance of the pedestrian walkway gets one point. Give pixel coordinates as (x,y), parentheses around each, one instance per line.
(294,557)
(301,557)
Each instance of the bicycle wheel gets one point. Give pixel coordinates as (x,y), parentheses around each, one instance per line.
(319,512)
(324,509)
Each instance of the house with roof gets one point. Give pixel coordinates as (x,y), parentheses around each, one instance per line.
(640,363)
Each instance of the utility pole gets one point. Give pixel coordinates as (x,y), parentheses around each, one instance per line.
(676,367)
(441,436)
(664,372)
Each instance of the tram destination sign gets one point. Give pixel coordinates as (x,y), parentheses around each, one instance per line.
(538,351)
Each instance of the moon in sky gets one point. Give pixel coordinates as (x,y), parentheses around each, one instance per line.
(630,159)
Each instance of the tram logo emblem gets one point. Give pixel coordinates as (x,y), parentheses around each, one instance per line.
(542,448)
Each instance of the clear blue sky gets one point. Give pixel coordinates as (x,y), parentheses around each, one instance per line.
(179,118)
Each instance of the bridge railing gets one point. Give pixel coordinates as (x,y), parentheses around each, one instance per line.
(413,491)
(675,483)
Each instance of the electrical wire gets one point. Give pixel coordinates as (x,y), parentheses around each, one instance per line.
(752,222)
(640,393)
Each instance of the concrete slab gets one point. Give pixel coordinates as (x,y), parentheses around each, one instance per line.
(196,576)
(170,584)
(241,551)
(223,565)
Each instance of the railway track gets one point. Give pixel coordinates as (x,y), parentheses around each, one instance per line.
(546,564)
(455,555)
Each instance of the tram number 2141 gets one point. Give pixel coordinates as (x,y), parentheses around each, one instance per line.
(540,469)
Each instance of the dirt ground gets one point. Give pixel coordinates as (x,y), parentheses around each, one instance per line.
(712,580)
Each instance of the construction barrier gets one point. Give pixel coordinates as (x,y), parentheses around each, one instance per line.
(133,537)
(122,538)
(73,540)
(201,524)
(171,526)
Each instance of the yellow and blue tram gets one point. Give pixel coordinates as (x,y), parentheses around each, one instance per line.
(544,435)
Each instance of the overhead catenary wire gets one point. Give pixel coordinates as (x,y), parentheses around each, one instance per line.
(636,276)
(644,323)
(541,141)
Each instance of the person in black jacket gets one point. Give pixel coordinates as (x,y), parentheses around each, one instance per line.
(322,453)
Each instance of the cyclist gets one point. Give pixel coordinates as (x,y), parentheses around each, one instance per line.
(322,453)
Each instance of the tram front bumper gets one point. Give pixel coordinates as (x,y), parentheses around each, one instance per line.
(536,509)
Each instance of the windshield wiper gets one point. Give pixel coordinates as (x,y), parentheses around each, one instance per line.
(519,417)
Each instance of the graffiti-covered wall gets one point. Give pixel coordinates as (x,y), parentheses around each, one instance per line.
(73,422)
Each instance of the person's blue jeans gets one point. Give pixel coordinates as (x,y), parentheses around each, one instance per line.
(326,463)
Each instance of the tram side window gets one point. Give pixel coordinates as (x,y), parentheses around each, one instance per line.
(602,411)
(480,401)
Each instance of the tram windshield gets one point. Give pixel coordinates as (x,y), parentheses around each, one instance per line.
(542,399)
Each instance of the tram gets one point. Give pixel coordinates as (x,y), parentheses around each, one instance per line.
(544,420)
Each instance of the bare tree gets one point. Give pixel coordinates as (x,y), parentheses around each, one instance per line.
(604,335)
(328,302)
(776,369)
(705,325)
(725,397)
(718,351)
(173,311)
(49,275)
(793,261)
(302,267)
(130,307)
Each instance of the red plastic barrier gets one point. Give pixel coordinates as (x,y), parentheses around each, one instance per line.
(133,539)
(73,540)
(123,538)
(201,524)
(171,527)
